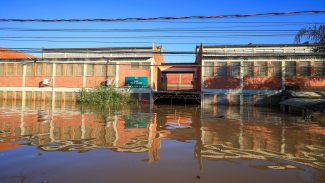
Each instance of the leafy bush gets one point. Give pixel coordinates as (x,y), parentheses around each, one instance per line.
(103,95)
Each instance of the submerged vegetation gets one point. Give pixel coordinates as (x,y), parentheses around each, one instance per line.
(103,95)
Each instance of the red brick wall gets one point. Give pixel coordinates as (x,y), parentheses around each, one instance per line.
(126,70)
(11,81)
(305,82)
(198,60)
(92,81)
(221,83)
(69,81)
(183,81)
(159,58)
(262,83)
(35,80)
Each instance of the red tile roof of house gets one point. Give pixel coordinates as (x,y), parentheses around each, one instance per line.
(11,54)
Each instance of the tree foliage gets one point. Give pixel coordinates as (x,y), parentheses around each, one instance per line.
(314,34)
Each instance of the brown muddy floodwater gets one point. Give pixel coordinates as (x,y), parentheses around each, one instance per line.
(67,143)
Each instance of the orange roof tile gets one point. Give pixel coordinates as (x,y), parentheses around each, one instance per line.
(11,54)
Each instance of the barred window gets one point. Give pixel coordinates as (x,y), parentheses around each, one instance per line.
(235,69)
(59,69)
(39,69)
(111,70)
(80,69)
(208,69)
(222,69)
(248,69)
(29,69)
(69,69)
(100,70)
(1,69)
(304,68)
(290,69)
(261,69)
(90,70)
(135,65)
(19,69)
(146,65)
(10,69)
(276,69)
(48,69)
(58,95)
(319,68)
(19,95)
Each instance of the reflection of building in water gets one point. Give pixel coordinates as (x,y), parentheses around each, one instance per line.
(258,135)
(67,130)
(220,133)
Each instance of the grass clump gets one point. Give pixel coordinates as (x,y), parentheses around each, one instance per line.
(103,95)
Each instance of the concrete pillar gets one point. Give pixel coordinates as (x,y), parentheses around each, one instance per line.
(312,68)
(53,84)
(152,75)
(23,93)
(117,74)
(283,72)
(84,74)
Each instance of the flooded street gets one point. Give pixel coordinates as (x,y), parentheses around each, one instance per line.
(68,143)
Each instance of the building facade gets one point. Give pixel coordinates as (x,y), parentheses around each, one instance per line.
(60,73)
(258,74)
(229,74)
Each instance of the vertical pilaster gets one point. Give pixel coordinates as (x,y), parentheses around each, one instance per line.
(152,75)
(117,74)
(23,93)
(283,73)
(312,68)
(84,74)
(53,84)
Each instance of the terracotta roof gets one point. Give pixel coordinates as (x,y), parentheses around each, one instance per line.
(11,54)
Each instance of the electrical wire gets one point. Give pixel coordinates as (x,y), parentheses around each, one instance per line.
(305,12)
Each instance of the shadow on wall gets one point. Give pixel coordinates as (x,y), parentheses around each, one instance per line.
(262,83)
(221,83)
(303,83)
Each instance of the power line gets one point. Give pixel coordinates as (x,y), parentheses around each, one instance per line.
(190,30)
(142,37)
(168,18)
(107,42)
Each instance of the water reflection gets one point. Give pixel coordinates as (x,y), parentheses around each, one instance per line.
(218,133)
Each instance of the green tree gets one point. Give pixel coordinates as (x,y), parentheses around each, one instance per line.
(314,34)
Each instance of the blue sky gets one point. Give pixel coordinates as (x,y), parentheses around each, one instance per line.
(55,9)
